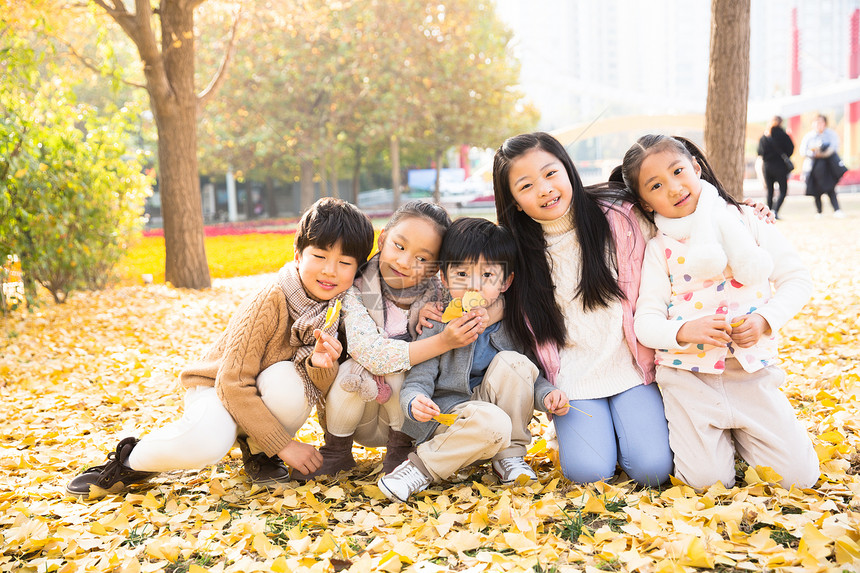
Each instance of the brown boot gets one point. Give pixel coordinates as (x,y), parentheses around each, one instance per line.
(398,447)
(261,469)
(337,457)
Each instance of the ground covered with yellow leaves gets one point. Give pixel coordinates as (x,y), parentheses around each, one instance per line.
(77,377)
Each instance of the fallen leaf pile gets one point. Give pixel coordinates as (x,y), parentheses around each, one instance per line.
(76,378)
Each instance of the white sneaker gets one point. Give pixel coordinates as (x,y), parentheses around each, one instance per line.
(839,214)
(509,469)
(405,480)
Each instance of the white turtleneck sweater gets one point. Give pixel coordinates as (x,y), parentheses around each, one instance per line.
(596,361)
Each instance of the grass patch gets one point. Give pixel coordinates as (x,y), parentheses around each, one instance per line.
(279,528)
(137,536)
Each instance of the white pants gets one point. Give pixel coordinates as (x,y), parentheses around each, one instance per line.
(206,431)
(367,422)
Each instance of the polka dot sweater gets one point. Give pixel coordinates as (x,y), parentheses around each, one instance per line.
(669,296)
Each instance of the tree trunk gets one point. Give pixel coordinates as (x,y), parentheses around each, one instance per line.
(395,172)
(728,91)
(306,184)
(356,175)
(175,112)
(437,187)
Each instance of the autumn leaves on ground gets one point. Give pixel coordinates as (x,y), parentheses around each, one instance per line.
(77,377)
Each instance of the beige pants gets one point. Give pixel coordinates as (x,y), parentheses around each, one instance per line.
(494,424)
(367,422)
(712,415)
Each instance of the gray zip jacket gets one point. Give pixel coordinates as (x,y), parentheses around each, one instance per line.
(445,379)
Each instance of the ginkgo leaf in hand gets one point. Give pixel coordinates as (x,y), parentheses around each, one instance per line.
(332,314)
(453,310)
(445,419)
(473,299)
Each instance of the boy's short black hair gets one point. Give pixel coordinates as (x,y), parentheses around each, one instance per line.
(470,238)
(330,220)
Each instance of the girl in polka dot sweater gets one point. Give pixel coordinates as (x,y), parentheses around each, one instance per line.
(707,307)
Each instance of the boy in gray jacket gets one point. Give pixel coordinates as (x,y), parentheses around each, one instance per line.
(489,387)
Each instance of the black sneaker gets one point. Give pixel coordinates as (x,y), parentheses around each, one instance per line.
(261,469)
(112,477)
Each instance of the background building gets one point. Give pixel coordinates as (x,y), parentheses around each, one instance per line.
(583,60)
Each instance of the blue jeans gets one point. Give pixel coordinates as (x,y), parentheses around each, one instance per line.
(628,429)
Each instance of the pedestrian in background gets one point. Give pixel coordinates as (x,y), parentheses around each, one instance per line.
(822,167)
(775,148)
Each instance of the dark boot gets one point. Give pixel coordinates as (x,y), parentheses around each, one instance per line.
(113,476)
(337,457)
(262,469)
(399,446)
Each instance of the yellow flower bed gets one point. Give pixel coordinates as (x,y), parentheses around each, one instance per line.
(227,255)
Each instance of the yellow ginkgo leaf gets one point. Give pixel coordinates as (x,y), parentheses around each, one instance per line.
(453,310)
(332,314)
(472,299)
(445,419)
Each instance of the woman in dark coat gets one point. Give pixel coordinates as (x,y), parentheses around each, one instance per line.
(775,148)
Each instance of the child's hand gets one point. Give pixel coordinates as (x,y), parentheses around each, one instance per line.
(482,313)
(750,331)
(761,210)
(711,329)
(303,457)
(431,310)
(557,403)
(423,408)
(463,330)
(326,351)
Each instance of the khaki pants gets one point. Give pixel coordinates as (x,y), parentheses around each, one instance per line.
(712,415)
(367,422)
(493,424)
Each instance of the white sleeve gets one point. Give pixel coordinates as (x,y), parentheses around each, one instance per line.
(790,278)
(651,322)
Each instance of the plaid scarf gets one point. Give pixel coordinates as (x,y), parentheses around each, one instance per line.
(376,296)
(308,314)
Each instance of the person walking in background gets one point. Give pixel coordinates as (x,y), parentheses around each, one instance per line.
(822,167)
(775,148)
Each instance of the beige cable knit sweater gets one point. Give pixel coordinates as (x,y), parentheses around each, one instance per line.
(596,361)
(257,336)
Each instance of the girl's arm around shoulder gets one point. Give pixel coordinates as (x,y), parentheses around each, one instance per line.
(651,321)
(442,338)
(367,346)
(790,277)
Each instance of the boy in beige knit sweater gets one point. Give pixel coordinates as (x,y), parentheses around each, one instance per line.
(261,378)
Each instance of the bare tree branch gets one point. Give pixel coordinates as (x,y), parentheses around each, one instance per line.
(117,11)
(221,73)
(88,63)
(138,27)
